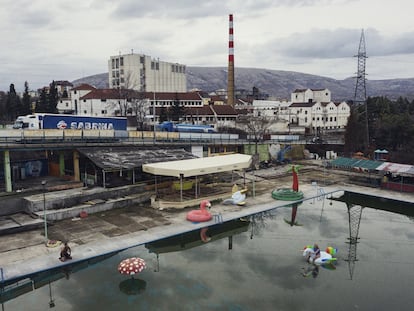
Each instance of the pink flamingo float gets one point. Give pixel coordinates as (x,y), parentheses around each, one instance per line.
(201,214)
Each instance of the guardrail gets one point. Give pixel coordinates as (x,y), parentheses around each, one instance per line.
(104,136)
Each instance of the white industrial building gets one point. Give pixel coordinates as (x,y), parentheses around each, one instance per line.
(309,109)
(310,95)
(145,74)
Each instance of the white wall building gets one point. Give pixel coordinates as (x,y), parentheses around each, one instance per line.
(271,108)
(310,95)
(320,116)
(142,73)
(309,109)
(73,104)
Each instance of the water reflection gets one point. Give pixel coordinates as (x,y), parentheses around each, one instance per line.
(132,286)
(51,300)
(257,274)
(292,222)
(258,222)
(16,288)
(355,203)
(197,238)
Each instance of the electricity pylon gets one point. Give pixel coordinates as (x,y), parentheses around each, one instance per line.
(360,96)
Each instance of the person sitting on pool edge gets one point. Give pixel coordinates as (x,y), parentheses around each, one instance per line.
(65,252)
(315,254)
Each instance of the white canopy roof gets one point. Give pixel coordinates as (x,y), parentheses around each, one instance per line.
(396,168)
(200,166)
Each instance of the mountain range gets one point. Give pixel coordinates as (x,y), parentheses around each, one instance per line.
(277,83)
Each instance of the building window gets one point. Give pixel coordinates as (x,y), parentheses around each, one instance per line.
(121,61)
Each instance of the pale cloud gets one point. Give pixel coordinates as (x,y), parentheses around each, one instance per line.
(66,40)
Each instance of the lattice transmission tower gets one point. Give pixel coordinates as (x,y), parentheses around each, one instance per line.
(360,96)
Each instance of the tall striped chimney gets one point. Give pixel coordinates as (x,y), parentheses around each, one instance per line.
(230,71)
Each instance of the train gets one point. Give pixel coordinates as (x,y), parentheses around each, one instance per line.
(40,121)
(168,126)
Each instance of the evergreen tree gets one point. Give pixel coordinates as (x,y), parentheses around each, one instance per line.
(177,109)
(26,102)
(3,109)
(13,104)
(163,115)
(391,127)
(53,98)
(41,103)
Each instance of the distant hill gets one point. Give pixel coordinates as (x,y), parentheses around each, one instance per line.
(277,83)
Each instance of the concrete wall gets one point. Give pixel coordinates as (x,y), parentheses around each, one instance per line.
(11,205)
(69,198)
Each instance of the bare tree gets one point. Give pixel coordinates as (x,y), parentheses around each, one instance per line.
(139,106)
(128,98)
(256,127)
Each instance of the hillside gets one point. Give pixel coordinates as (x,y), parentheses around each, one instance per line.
(277,83)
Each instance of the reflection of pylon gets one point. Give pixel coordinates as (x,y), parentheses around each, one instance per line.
(354,217)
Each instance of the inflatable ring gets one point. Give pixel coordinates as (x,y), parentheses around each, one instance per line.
(53,243)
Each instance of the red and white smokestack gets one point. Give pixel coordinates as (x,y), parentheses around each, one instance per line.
(231,39)
(230,77)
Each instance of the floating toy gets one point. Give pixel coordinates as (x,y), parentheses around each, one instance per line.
(325,257)
(201,214)
(286,194)
(238,196)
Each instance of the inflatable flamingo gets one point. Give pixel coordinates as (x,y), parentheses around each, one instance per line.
(201,214)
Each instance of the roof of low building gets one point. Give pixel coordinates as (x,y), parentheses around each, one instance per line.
(83,86)
(116,158)
(224,109)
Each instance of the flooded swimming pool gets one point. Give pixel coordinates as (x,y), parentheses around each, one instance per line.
(255,264)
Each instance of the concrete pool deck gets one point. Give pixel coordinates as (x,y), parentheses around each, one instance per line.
(29,254)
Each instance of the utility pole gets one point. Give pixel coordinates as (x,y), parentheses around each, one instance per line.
(360,97)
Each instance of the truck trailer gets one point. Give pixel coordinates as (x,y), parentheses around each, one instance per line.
(39,121)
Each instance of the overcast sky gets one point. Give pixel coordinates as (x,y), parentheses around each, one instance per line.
(45,40)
